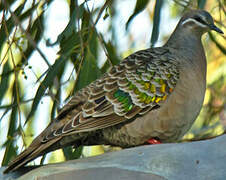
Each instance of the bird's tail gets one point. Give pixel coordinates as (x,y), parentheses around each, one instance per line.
(36,149)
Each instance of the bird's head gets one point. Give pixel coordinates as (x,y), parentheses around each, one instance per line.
(198,21)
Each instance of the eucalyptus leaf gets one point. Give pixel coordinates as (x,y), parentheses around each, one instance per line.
(140,6)
(201,4)
(156,21)
(52,72)
(10,150)
(4,82)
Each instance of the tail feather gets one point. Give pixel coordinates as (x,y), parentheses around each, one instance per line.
(33,151)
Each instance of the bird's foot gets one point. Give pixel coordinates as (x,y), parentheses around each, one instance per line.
(153,141)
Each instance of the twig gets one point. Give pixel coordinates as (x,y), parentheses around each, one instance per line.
(81,52)
(101,11)
(21,102)
(98,35)
(29,37)
(223,50)
(16,81)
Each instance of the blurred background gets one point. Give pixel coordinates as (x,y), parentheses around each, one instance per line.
(49,49)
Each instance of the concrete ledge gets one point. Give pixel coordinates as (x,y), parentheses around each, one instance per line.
(200,160)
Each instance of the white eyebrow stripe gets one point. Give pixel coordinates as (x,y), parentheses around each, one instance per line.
(193,20)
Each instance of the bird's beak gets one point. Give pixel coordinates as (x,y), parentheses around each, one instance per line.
(215,28)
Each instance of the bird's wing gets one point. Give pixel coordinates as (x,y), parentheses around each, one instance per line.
(141,82)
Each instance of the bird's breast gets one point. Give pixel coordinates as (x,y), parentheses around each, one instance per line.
(177,114)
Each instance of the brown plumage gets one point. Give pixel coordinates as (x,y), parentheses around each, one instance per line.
(153,93)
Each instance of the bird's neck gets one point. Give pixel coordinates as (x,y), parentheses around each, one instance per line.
(183,38)
(188,45)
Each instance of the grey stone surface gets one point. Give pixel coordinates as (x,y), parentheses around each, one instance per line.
(109,173)
(202,160)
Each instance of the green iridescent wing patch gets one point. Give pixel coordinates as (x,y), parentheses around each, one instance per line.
(125,99)
(147,82)
(142,81)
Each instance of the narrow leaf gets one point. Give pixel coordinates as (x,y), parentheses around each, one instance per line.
(111,50)
(48,81)
(10,150)
(58,93)
(201,4)
(77,13)
(220,47)
(10,22)
(5,112)
(140,6)
(89,70)
(71,154)
(156,21)
(2,6)
(37,31)
(4,83)
(70,44)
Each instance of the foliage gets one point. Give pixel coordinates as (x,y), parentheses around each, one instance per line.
(23,26)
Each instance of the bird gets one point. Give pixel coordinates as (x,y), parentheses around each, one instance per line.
(153,95)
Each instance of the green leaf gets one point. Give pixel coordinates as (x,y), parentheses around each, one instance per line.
(70,44)
(9,25)
(70,29)
(140,6)
(220,47)
(58,93)
(47,82)
(111,50)
(201,4)
(5,112)
(55,103)
(5,78)
(10,150)
(89,70)
(156,22)
(10,22)
(70,153)
(2,5)
(37,32)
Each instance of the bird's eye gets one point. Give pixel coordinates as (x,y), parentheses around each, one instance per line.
(199,19)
